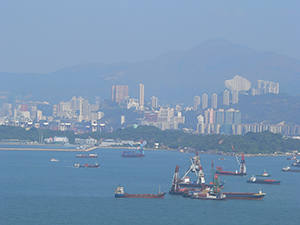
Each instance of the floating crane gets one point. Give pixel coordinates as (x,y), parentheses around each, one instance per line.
(242,164)
(133,154)
(196,168)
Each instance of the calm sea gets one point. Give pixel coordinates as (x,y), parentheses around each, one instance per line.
(34,190)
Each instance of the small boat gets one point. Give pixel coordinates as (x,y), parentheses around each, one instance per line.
(243,195)
(297,163)
(119,193)
(288,169)
(265,174)
(54,160)
(292,158)
(77,165)
(253,179)
(221,158)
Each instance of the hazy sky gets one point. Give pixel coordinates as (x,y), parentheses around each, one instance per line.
(43,36)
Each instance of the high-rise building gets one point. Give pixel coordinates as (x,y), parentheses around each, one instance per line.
(119,92)
(204,101)
(214,101)
(142,95)
(226,97)
(238,83)
(220,116)
(196,102)
(235,97)
(237,117)
(154,102)
(229,116)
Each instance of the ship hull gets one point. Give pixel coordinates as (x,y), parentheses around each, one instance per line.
(289,170)
(161,195)
(263,182)
(133,156)
(229,173)
(245,196)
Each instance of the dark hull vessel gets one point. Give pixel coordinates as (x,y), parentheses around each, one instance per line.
(119,193)
(86,166)
(297,163)
(246,196)
(229,173)
(87,156)
(262,181)
(288,169)
(132,154)
(125,195)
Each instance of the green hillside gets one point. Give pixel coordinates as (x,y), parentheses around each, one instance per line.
(251,143)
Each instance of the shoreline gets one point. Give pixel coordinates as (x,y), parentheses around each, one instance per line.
(49,149)
(152,149)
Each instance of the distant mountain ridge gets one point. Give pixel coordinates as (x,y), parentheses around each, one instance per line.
(174,77)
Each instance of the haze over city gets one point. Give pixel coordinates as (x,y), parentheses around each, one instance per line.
(45,36)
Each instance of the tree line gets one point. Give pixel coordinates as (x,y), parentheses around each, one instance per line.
(251,143)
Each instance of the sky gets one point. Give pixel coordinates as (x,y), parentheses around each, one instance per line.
(45,36)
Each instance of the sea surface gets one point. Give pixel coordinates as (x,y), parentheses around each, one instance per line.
(35,190)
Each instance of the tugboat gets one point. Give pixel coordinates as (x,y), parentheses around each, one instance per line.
(297,163)
(119,193)
(253,179)
(242,165)
(265,174)
(133,154)
(288,169)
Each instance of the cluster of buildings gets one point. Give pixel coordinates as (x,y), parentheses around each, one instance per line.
(234,87)
(219,121)
(78,113)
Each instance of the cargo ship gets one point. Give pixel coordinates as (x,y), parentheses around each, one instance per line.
(87,156)
(242,170)
(208,196)
(247,196)
(119,193)
(288,169)
(253,179)
(133,154)
(77,165)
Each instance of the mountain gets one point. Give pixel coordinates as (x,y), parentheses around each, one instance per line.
(174,77)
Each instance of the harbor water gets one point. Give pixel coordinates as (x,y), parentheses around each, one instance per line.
(36,190)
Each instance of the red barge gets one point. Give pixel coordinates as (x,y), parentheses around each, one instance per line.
(242,165)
